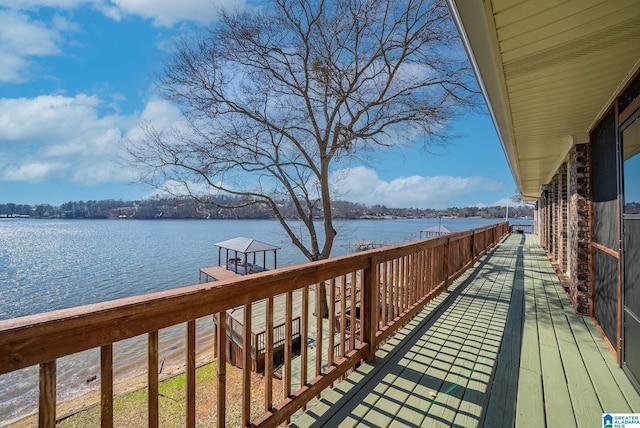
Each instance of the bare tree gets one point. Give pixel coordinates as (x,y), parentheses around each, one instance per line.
(274,98)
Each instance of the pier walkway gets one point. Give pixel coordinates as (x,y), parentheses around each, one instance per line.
(503,348)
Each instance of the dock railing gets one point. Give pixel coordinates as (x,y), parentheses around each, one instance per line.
(393,284)
(235,332)
(521,228)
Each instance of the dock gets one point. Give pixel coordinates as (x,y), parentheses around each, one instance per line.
(367,245)
(217,273)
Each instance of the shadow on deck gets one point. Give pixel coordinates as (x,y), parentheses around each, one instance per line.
(503,348)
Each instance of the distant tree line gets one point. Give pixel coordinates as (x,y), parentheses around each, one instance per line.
(189,208)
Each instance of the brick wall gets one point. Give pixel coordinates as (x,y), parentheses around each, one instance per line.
(563,228)
(543,219)
(579,196)
(553,217)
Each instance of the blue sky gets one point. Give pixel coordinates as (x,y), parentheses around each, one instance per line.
(77,76)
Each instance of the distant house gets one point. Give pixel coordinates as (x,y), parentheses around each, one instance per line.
(562,83)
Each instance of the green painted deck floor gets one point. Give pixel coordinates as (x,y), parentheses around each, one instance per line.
(504,348)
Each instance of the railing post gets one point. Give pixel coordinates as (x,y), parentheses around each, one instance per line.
(369,318)
(446,264)
(106,386)
(268,356)
(191,374)
(47,413)
(152,376)
(221,351)
(246,367)
(473,246)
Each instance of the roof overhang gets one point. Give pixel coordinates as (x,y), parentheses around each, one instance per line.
(548,70)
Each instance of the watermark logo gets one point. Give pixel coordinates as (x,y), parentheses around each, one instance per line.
(621,420)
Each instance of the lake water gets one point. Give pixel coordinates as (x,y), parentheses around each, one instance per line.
(47,265)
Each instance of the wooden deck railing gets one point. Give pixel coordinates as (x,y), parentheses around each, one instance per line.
(279,337)
(388,287)
(522,228)
(235,332)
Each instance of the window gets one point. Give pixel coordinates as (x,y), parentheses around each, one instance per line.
(631,168)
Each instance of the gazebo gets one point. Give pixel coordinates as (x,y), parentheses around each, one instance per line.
(435,231)
(237,252)
(242,249)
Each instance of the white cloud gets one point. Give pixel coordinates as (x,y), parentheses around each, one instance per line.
(61,23)
(507,202)
(361,184)
(162,12)
(34,4)
(21,39)
(160,112)
(168,12)
(24,38)
(34,171)
(60,137)
(73,139)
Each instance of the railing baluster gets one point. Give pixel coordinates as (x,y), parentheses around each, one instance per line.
(191,374)
(392,290)
(152,376)
(343,315)
(47,412)
(352,313)
(402,289)
(435,265)
(370,304)
(360,295)
(401,296)
(405,279)
(430,266)
(221,350)
(423,273)
(384,293)
(411,277)
(268,356)
(288,350)
(319,296)
(473,245)
(447,251)
(332,322)
(304,336)
(389,291)
(246,367)
(106,386)
(414,276)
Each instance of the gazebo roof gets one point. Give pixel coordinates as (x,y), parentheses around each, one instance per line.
(246,245)
(440,228)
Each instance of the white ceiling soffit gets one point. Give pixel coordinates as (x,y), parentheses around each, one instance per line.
(547,69)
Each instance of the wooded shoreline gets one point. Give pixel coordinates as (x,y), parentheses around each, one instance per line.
(189,208)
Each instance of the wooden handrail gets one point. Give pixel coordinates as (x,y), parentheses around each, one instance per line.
(521,228)
(389,286)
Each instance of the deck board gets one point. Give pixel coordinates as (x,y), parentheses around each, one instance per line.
(556,398)
(217,273)
(504,348)
(530,412)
